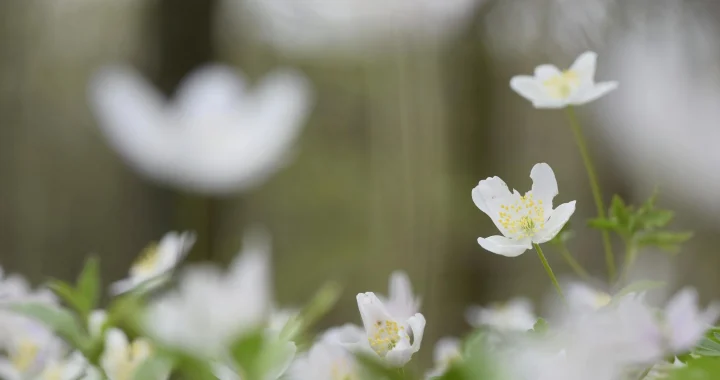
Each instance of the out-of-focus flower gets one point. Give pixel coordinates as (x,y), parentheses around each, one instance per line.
(72,368)
(685,323)
(349,27)
(325,361)
(15,289)
(349,336)
(581,295)
(447,350)
(31,351)
(552,88)
(519,27)
(514,315)
(401,301)
(393,339)
(215,136)
(156,262)
(522,219)
(121,358)
(212,309)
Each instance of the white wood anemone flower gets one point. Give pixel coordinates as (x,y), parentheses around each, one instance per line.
(325,361)
(156,262)
(522,219)
(583,296)
(393,339)
(121,358)
(447,351)
(30,351)
(212,308)
(552,88)
(215,136)
(685,324)
(514,315)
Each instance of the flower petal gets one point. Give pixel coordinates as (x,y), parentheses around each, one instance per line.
(417,325)
(371,310)
(489,194)
(529,88)
(584,66)
(555,223)
(402,303)
(550,104)
(545,72)
(687,324)
(210,89)
(594,92)
(505,246)
(544,187)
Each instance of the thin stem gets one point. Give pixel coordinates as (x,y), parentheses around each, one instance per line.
(574,264)
(549,271)
(594,185)
(630,256)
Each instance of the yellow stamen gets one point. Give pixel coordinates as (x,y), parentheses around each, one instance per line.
(561,86)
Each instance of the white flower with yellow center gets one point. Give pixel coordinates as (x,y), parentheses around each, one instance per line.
(514,315)
(392,338)
(552,88)
(447,351)
(31,351)
(121,357)
(522,219)
(156,262)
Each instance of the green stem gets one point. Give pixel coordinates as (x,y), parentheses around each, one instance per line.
(579,270)
(549,271)
(594,185)
(630,256)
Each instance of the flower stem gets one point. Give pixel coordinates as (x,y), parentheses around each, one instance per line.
(549,271)
(630,256)
(594,185)
(579,270)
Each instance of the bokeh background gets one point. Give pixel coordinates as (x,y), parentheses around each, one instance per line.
(383,170)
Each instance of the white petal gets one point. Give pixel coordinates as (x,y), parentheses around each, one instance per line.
(96,321)
(555,223)
(417,325)
(402,303)
(529,88)
(371,310)
(687,324)
(589,94)
(122,286)
(489,194)
(550,103)
(545,72)
(132,115)
(209,90)
(584,66)
(401,355)
(505,246)
(544,187)
(8,371)
(446,349)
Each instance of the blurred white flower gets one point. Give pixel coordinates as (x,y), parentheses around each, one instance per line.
(72,368)
(522,219)
(552,88)
(447,350)
(519,27)
(685,323)
(121,357)
(348,27)
(215,136)
(581,295)
(401,301)
(394,339)
(210,310)
(325,361)
(31,351)
(514,315)
(349,336)
(156,262)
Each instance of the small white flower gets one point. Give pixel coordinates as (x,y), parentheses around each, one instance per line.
(31,350)
(325,361)
(121,358)
(686,323)
(551,88)
(515,315)
(581,295)
(72,368)
(395,340)
(156,261)
(447,350)
(210,310)
(522,219)
(215,136)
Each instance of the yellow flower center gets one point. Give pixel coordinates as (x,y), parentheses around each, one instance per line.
(602,299)
(523,218)
(127,361)
(146,261)
(562,85)
(342,370)
(24,356)
(386,336)
(52,372)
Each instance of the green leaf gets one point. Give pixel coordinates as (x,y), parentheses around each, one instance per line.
(639,287)
(88,285)
(705,368)
(59,320)
(246,353)
(619,211)
(323,301)
(603,224)
(656,218)
(153,368)
(67,293)
(664,240)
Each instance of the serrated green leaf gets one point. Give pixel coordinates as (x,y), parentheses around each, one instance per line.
(153,368)
(639,287)
(664,240)
(656,218)
(88,285)
(59,320)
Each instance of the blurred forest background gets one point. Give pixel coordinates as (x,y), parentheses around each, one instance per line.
(383,170)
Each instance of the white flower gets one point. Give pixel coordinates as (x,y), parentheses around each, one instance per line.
(551,88)
(349,336)
(348,27)
(325,361)
(31,350)
(401,301)
(156,261)
(72,368)
(211,309)
(522,219)
(581,295)
(686,323)
(15,289)
(515,315)
(394,340)
(215,136)
(447,350)
(121,358)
